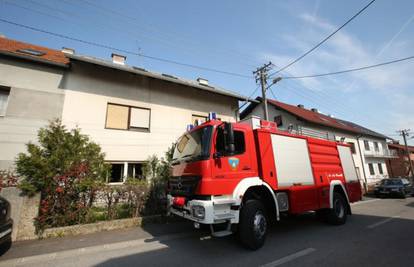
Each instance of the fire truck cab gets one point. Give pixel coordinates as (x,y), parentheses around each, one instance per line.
(239,177)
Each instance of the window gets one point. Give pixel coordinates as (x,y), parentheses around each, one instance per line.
(380,168)
(366,145)
(127,118)
(376,147)
(4,97)
(32,52)
(371,168)
(278,120)
(135,171)
(239,142)
(117,173)
(352,147)
(122,170)
(200,118)
(140,118)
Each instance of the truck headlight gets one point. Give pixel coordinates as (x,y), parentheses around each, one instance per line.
(199,212)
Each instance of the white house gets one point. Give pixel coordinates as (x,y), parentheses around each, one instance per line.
(131,112)
(369,148)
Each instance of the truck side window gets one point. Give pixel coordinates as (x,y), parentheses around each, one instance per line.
(239,142)
(220,141)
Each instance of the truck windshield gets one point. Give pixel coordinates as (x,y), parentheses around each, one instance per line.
(194,145)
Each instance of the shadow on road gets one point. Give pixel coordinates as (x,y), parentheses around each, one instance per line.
(285,237)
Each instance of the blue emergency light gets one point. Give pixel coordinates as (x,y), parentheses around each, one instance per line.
(189,127)
(212,116)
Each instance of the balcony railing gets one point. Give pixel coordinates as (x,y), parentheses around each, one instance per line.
(381,154)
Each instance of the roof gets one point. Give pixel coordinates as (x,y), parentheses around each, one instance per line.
(36,53)
(160,76)
(398,146)
(317,118)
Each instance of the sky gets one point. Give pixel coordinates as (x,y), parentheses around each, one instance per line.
(239,36)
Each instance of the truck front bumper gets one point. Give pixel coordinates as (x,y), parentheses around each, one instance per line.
(214,211)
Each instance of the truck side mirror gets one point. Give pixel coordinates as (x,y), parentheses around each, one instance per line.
(229,138)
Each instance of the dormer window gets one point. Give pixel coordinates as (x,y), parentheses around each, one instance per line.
(31,52)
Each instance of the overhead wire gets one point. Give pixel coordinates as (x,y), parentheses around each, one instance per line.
(323,40)
(169,35)
(124,50)
(350,70)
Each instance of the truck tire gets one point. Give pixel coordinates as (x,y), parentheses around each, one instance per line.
(338,214)
(253,224)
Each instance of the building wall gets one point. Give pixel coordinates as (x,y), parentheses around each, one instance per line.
(90,88)
(400,166)
(35,98)
(361,160)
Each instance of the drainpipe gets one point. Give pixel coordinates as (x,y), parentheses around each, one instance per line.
(363,165)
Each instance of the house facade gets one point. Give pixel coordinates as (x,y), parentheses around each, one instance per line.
(30,94)
(130,112)
(400,165)
(369,149)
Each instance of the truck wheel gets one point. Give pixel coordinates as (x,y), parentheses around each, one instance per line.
(253,224)
(337,215)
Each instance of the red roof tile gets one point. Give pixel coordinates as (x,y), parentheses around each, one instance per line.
(322,119)
(398,146)
(12,47)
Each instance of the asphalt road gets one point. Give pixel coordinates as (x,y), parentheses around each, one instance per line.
(379,233)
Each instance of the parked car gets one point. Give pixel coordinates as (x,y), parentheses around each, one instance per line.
(400,187)
(6,226)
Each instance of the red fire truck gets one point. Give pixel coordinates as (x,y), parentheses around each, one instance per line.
(240,177)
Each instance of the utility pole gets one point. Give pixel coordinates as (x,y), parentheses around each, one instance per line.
(261,76)
(404,133)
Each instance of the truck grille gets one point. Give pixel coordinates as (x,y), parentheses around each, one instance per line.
(183,185)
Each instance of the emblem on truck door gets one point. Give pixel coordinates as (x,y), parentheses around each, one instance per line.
(234,163)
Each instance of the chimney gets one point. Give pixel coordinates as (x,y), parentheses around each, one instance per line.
(314,110)
(202,81)
(301,106)
(118,59)
(67,50)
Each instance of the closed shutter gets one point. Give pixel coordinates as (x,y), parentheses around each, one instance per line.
(117,117)
(140,118)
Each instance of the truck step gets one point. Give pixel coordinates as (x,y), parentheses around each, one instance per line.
(227,231)
(221,233)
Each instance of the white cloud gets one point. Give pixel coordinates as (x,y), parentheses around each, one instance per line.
(343,51)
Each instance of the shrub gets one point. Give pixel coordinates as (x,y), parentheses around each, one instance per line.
(7,179)
(67,169)
(157,171)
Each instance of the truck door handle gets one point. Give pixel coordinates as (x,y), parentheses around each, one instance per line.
(245,168)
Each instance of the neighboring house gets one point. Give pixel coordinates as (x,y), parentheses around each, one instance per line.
(131,112)
(400,166)
(369,148)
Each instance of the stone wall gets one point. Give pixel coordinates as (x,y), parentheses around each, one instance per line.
(23,210)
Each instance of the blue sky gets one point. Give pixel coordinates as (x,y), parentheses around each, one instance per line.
(238,36)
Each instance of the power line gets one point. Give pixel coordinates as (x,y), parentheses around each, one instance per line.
(169,35)
(350,70)
(324,40)
(124,51)
(249,97)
